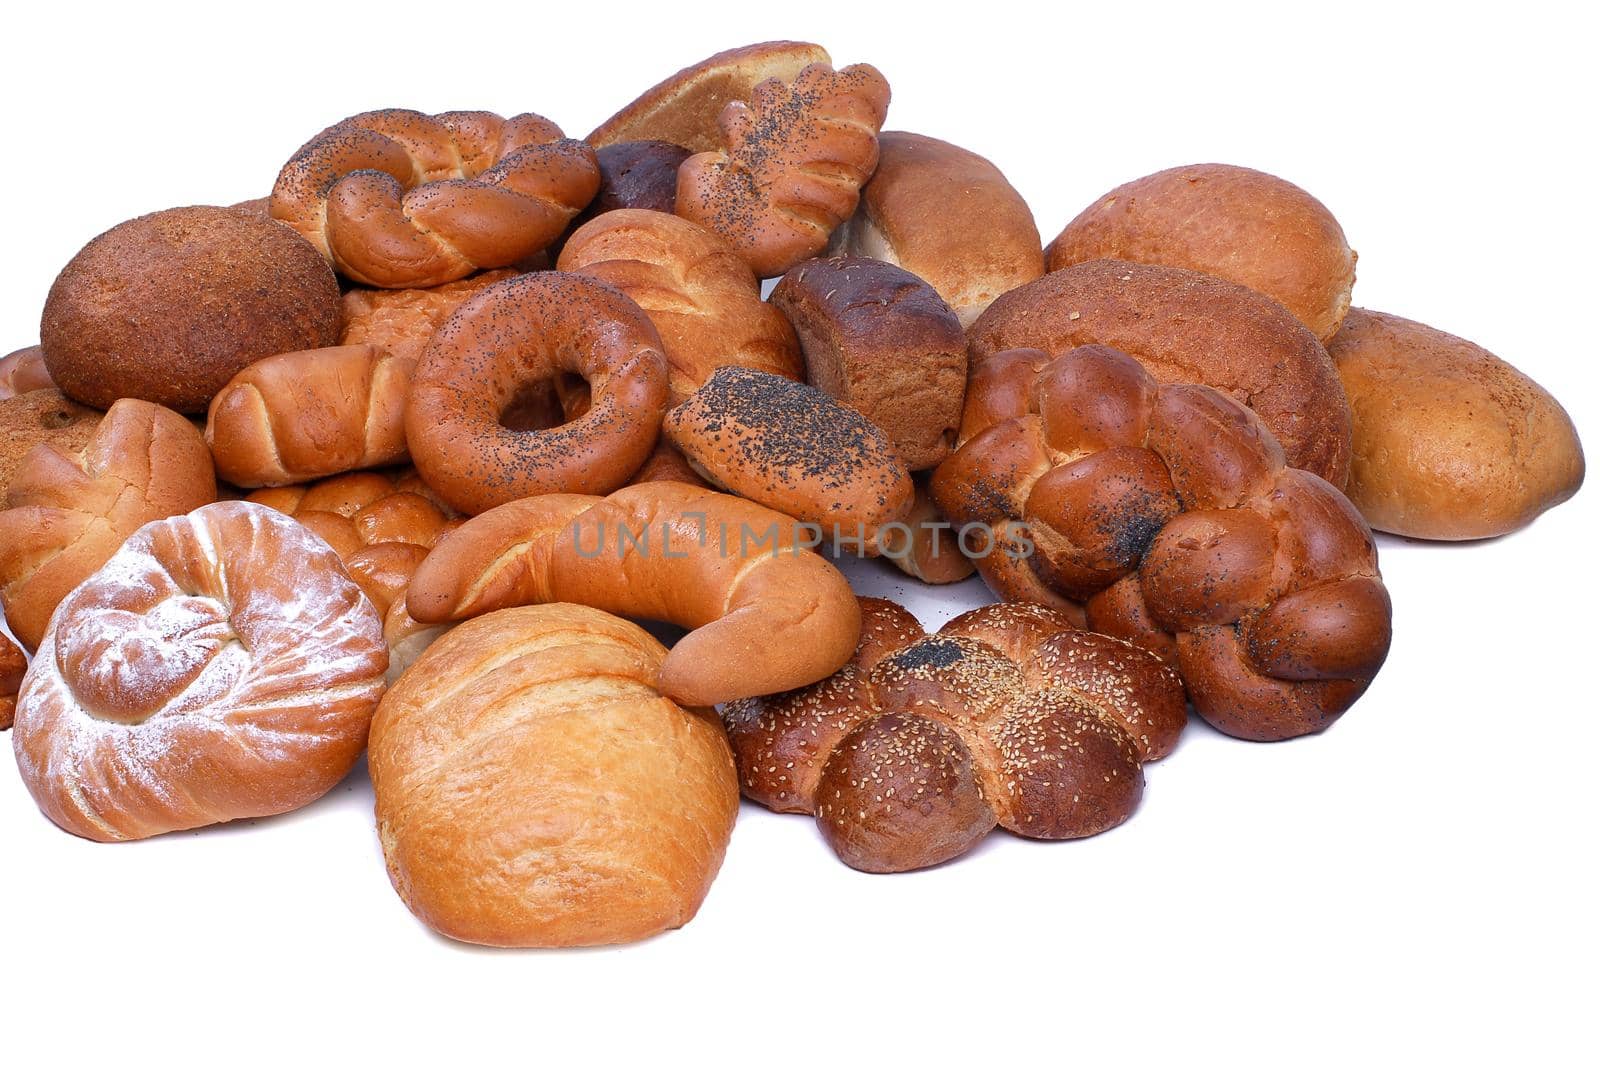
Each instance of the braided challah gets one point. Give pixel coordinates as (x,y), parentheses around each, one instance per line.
(396,198)
(916,749)
(1170,512)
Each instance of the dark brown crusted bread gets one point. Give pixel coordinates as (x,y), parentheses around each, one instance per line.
(636,174)
(1186,327)
(884,343)
(793,449)
(169,306)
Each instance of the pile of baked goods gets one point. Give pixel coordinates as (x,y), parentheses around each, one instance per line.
(385,460)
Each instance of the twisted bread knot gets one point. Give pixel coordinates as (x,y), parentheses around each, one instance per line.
(792,166)
(396,198)
(1170,512)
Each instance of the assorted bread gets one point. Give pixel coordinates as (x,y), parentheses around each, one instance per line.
(1147,430)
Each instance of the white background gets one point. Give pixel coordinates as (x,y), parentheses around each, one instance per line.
(1413,887)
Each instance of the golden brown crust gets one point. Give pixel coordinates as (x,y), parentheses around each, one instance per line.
(1451,442)
(923,543)
(534,790)
(1116,482)
(13,664)
(22,371)
(1185,327)
(395,198)
(1246,226)
(702,298)
(170,306)
(524,333)
(790,165)
(880,340)
(221,665)
(69,510)
(684,108)
(916,750)
(792,448)
(766,613)
(948,216)
(41,417)
(403,322)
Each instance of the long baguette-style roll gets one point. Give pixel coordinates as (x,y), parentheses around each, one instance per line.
(766,613)
(302,416)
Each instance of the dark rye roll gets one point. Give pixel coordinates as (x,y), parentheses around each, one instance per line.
(883,342)
(793,449)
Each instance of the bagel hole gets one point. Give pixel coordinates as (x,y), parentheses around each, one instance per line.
(546,403)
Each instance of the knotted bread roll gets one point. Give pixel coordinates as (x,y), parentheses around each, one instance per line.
(221,665)
(1170,511)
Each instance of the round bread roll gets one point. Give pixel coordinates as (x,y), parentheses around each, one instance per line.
(169,306)
(534,790)
(1451,442)
(636,174)
(40,417)
(221,665)
(1187,327)
(950,217)
(22,371)
(1249,227)
(13,664)
(881,341)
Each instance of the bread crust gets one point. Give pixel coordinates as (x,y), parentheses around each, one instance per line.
(69,510)
(13,664)
(22,371)
(1186,327)
(684,108)
(170,306)
(41,417)
(701,296)
(403,322)
(1451,442)
(948,216)
(765,612)
(1246,226)
(880,340)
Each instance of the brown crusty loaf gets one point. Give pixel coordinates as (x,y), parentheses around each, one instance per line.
(766,613)
(534,790)
(169,306)
(790,164)
(1249,227)
(792,448)
(13,664)
(70,509)
(40,416)
(220,665)
(24,370)
(1171,512)
(948,216)
(395,198)
(1451,442)
(301,416)
(881,341)
(636,174)
(702,298)
(403,322)
(1186,327)
(916,749)
(684,108)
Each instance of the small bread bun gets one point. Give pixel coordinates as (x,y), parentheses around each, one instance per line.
(883,342)
(950,217)
(793,449)
(1451,442)
(169,306)
(40,417)
(23,370)
(1246,226)
(13,664)
(684,108)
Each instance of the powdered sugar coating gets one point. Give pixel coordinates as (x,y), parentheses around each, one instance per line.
(221,665)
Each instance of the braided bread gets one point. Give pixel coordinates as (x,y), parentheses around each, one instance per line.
(916,749)
(766,613)
(396,198)
(221,665)
(13,664)
(72,508)
(22,371)
(1171,512)
(790,166)
(702,298)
